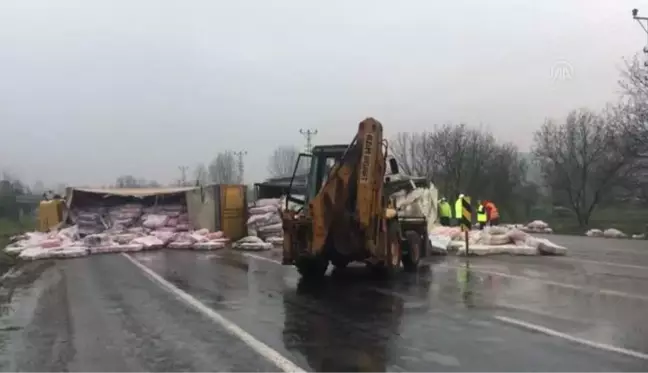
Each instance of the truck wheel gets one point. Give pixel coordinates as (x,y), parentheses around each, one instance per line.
(415,248)
(312,268)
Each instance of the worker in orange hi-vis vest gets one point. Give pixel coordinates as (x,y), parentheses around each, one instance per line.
(492,213)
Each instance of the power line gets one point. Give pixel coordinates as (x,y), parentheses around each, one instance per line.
(241,164)
(308,134)
(643,22)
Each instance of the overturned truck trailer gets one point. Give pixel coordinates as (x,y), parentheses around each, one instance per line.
(216,207)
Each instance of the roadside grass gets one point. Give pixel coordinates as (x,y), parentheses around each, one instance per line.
(9,228)
(631,220)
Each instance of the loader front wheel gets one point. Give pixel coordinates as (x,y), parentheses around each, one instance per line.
(311,268)
(414,249)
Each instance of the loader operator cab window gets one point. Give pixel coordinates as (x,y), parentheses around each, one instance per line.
(328,165)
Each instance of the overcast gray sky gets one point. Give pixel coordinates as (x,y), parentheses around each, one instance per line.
(90,90)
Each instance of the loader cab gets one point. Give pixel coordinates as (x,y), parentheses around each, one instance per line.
(315,168)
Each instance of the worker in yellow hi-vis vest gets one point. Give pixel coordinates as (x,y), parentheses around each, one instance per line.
(458,209)
(445,212)
(482,217)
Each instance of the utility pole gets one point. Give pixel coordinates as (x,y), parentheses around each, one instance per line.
(643,22)
(241,166)
(183,175)
(308,134)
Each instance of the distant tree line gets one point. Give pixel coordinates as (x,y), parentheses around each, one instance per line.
(585,160)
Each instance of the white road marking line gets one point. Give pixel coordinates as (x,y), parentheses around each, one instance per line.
(255,256)
(571,338)
(561,259)
(264,350)
(553,283)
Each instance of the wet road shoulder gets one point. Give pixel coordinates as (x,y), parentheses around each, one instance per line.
(101,313)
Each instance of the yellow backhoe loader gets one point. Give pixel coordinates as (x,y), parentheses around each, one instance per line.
(347,213)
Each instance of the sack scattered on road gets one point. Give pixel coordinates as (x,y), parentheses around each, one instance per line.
(537,226)
(491,241)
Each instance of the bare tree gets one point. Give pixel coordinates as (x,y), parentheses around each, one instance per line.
(583,159)
(454,157)
(224,169)
(127,181)
(635,104)
(283,160)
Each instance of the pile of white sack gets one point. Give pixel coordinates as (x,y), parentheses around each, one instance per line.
(490,241)
(67,243)
(264,224)
(537,226)
(612,233)
(124,228)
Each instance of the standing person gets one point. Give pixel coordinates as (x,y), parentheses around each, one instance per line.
(482,216)
(492,212)
(458,209)
(445,212)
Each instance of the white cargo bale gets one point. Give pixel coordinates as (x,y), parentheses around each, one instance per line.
(266,202)
(639,236)
(614,233)
(263,210)
(439,244)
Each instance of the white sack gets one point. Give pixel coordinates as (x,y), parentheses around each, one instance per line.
(275,240)
(439,244)
(263,210)
(614,233)
(537,224)
(149,242)
(594,233)
(155,221)
(275,228)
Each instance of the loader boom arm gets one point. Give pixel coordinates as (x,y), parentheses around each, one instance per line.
(349,208)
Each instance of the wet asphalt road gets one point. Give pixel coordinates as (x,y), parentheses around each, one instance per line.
(102,313)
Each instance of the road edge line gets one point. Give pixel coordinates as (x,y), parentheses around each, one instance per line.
(255,256)
(571,338)
(261,348)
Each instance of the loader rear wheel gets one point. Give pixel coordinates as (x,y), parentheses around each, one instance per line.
(394,253)
(414,249)
(311,268)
